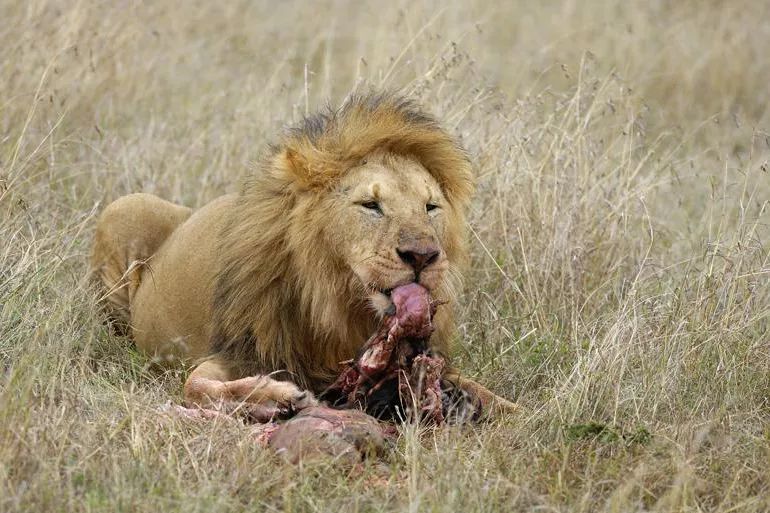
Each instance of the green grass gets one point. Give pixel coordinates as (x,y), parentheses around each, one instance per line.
(620,283)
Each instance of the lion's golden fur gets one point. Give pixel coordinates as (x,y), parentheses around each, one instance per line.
(280,302)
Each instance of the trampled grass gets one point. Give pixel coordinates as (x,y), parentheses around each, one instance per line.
(620,286)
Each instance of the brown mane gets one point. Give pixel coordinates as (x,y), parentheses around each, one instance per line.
(282,301)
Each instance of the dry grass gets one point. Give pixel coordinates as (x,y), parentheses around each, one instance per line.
(621,278)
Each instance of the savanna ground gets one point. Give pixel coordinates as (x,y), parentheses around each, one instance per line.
(620,286)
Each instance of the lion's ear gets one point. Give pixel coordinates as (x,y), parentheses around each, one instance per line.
(306,168)
(292,167)
(296,164)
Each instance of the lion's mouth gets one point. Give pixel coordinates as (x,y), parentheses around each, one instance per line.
(388,291)
(381,298)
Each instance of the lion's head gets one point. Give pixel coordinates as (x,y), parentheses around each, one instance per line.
(347,206)
(395,228)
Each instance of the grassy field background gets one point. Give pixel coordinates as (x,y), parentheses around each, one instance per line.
(620,286)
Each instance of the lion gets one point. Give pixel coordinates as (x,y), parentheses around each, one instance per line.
(267,290)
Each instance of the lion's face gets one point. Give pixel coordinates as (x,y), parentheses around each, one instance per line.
(392,221)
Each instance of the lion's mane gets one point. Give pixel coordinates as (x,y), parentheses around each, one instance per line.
(281,300)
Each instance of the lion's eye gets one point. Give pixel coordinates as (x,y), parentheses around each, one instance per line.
(372,205)
(430,207)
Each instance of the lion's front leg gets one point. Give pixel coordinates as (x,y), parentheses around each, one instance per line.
(211,385)
(491,403)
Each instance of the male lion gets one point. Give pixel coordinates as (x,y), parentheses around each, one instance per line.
(293,273)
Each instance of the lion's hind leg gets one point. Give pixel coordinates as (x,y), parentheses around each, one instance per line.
(128,233)
(211,385)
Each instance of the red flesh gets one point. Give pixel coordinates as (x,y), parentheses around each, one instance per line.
(397,352)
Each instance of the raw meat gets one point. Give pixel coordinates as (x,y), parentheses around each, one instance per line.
(395,374)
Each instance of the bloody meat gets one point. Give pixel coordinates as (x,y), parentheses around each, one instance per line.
(395,374)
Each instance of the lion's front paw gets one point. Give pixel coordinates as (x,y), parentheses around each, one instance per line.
(285,393)
(263,394)
(300,400)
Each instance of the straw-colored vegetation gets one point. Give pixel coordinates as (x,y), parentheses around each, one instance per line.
(620,286)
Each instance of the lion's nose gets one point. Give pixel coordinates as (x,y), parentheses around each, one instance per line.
(418,258)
